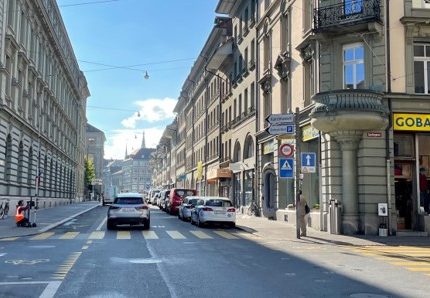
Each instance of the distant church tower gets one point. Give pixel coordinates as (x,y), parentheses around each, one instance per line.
(143,141)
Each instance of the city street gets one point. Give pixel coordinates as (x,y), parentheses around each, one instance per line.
(175,259)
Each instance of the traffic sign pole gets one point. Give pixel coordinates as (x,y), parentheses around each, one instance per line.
(297,171)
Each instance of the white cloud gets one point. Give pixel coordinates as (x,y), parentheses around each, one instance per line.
(118,139)
(151,110)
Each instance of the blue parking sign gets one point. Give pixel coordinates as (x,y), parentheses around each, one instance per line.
(308,161)
(286,168)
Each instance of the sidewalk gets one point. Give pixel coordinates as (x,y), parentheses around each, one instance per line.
(283,231)
(46,219)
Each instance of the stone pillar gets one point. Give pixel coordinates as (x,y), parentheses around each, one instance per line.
(348,141)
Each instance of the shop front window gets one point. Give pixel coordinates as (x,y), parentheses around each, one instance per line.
(237,190)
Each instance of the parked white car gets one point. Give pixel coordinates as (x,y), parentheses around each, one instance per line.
(214,210)
(188,204)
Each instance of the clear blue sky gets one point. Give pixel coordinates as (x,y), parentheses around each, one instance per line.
(131,32)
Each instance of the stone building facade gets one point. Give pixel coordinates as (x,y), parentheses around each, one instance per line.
(42,105)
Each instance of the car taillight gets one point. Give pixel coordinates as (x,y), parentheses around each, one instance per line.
(207,209)
(231,210)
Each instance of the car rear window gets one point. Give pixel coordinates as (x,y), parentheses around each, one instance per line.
(218,203)
(193,201)
(128,201)
(185,192)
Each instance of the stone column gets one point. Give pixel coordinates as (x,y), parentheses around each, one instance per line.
(348,141)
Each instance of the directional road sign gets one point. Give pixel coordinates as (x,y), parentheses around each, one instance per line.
(309,161)
(280,119)
(281,129)
(286,168)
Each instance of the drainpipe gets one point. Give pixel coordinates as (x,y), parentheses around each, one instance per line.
(388,90)
(257,174)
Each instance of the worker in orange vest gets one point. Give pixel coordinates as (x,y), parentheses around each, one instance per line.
(20,218)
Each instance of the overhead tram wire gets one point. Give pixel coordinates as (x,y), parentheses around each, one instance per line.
(88,3)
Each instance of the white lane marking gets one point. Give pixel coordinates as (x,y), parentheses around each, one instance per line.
(162,271)
(51,289)
(101,224)
(11,283)
(3,254)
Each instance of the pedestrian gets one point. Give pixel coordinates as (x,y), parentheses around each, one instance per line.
(424,190)
(304,210)
(20,218)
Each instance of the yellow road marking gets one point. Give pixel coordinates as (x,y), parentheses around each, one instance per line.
(123,235)
(149,235)
(225,235)
(69,235)
(419,269)
(175,235)
(9,239)
(201,235)
(97,235)
(410,263)
(43,236)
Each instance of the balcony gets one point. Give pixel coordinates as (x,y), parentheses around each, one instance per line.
(347,17)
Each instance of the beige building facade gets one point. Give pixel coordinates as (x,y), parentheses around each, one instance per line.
(43,102)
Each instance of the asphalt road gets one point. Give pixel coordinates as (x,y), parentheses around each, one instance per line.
(175,259)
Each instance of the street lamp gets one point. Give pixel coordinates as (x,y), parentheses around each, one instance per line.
(146,76)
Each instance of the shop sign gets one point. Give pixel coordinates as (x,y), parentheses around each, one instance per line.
(199,173)
(374,134)
(269,147)
(309,133)
(411,122)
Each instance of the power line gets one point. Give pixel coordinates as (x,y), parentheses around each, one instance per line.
(88,3)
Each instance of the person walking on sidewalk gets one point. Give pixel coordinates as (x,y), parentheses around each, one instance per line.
(304,210)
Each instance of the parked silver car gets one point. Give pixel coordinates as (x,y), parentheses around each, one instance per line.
(128,208)
(188,204)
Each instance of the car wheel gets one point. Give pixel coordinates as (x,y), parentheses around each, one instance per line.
(110,225)
(103,204)
(179,215)
(191,219)
(232,225)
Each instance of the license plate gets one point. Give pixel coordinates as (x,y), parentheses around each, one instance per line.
(219,212)
(127,209)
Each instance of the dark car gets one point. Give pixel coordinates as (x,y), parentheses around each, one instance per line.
(176,196)
(128,208)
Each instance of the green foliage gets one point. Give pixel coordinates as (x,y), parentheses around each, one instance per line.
(90,171)
(316,206)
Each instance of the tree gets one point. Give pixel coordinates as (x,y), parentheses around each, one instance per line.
(90,172)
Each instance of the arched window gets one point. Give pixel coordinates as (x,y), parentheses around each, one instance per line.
(237,151)
(248,150)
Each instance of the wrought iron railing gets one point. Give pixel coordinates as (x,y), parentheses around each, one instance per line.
(348,12)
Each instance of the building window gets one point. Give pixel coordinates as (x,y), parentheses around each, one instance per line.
(353,66)
(422,68)
(309,81)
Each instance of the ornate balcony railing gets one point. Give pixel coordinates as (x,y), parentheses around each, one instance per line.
(347,13)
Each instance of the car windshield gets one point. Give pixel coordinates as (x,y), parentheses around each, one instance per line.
(185,192)
(128,201)
(218,203)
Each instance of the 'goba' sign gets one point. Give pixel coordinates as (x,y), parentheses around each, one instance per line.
(412,122)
